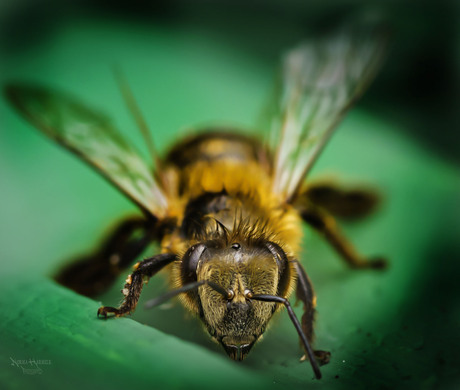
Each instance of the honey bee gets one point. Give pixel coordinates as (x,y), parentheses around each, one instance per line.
(225,207)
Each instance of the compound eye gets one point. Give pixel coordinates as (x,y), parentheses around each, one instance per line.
(248,294)
(190,262)
(278,254)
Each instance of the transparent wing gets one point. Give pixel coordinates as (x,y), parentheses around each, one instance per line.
(320,81)
(91,136)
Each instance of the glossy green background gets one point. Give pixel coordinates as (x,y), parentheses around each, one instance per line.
(191,67)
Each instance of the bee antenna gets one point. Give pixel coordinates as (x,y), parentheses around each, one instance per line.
(186,288)
(295,321)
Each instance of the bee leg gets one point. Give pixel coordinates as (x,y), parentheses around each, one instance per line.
(92,274)
(135,282)
(304,292)
(326,224)
(342,203)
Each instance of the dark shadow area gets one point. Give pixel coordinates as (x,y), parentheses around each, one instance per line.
(25,26)
(421,346)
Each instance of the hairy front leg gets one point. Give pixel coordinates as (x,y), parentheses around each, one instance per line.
(134,283)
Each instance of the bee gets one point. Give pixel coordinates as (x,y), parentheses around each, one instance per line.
(226,208)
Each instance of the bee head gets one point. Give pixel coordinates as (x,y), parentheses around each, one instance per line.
(234,273)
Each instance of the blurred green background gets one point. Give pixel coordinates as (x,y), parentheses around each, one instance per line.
(196,63)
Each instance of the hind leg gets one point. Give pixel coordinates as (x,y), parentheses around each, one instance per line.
(342,203)
(94,273)
(325,223)
(321,203)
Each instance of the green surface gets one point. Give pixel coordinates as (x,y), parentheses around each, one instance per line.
(396,329)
